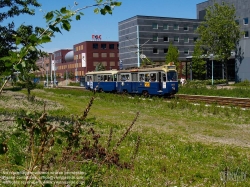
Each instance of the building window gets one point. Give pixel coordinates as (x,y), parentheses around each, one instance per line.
(195,39)
(96,55)
(186,51)
(155,26)
(155,50)
(185,28)
(111,46)
(176,39)
(165,50)
(245,21)
(103,46)
(112,63)
(246,34)
(111,54)
(155,38)
(176,27)
(237,22)
(165,26)
(195,27)
(104,55)
(117,46)
(186,40)
(95,46)
(165,38)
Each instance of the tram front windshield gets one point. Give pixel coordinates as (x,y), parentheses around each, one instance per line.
(171,76)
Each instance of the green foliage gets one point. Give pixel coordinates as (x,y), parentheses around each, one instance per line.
(100,67)
(172,55)
(74,84)
(198,63)
(27,39)
(220,33)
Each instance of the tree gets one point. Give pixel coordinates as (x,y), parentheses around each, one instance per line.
(198,63)
(220,33)
(172,55)
(16,60)
(100,67)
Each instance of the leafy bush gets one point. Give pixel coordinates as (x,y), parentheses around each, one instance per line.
(243,83)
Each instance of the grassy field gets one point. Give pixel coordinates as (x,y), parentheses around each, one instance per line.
(181,144)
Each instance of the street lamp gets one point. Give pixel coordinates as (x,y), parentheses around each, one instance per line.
(54,72)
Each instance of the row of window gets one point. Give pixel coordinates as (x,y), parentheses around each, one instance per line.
(175,39)
(74,66)
(175,27)
(104,46)
(165,51)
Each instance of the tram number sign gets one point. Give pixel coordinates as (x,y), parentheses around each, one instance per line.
(147,84)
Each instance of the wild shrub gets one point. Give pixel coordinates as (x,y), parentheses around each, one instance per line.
(37,146)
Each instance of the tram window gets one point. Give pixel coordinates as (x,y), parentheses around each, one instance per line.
(114,77)
(147,77)
(125,77)
(89,78)
(172,76)
(141,77)
(153,77)
(164,79)
(105,77)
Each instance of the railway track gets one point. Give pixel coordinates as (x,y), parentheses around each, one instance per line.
(228,101)
(223,101)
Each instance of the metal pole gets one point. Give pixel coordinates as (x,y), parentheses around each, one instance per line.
(51,76)
(191,78)
(76,67)
(212,71)
(47,72)
(54,73)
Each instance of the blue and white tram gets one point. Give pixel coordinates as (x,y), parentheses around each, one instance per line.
(148,81)
(103,81)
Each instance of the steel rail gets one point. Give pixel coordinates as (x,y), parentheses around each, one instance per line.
(232,101)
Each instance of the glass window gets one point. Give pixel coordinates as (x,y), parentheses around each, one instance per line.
(185,28)
(171,76)
(165,50)
(195,39)
(155,50)
(95,46)
(141,77)
(125,77)
(165,26)
(245,21)
(155,26)
(176,27)
(195,27)
(111,46)
(176,39)
(186,40)
(155,38)
(95,55)
(104,55)
(246,35)
(152,77)
(186,51)
(103,46)
(165,38)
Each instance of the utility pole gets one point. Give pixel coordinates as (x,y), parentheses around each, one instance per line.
(51,77)
(76,68)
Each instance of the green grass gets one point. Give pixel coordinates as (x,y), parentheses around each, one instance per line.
(181,144)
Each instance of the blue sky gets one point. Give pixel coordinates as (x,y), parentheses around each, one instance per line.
(107,26)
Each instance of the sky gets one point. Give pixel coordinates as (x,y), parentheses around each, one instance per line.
(107,25)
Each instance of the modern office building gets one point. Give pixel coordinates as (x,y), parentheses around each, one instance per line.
(242,57)
(148,37)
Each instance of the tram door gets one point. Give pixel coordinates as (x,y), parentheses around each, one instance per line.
(160,81)
(134,82)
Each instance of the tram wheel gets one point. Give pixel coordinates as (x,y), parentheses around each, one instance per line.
(145,93)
